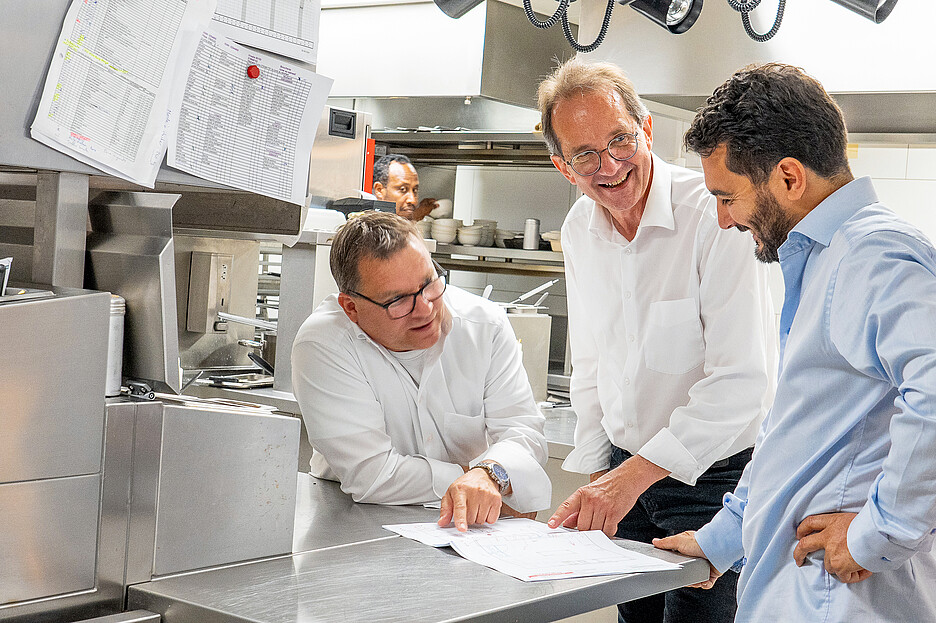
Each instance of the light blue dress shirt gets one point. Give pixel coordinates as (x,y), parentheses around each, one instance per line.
(852,428)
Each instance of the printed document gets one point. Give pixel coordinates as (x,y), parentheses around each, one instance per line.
(107,93)
(531,551)
(431,534)
(287,27)
(255,134)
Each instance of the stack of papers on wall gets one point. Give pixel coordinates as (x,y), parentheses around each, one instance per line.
(133,80)
(531,551)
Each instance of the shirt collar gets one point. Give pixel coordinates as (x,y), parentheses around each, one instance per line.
(657,213)
(821,223)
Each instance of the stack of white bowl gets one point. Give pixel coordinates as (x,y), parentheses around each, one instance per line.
(470,235)
(500,235)
(488,227)
(445,230)
(425,227)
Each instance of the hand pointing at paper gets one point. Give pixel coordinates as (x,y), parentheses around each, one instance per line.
(602,504)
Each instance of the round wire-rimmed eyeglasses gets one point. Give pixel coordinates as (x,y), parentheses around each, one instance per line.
(621,147)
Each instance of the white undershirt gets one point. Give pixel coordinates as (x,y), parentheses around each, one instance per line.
(413,361)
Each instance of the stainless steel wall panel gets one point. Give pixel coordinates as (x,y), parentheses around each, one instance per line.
(147,450)
(336,163)
(53,364)
(130,253)
(227,488)
(217,350)
(115,495)
(296,303)
(61,226)
(48,537)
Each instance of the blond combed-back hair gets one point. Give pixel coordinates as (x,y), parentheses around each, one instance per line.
(576,76)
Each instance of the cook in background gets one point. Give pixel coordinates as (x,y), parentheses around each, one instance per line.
(671,328)
(413,392)
(395,179)
(839,504)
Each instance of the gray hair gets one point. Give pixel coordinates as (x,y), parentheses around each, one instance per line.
(375,235)
(576,76)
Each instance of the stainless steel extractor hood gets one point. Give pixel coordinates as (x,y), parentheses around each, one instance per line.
(492,53)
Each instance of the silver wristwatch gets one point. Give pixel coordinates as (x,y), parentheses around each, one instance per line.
(497,473)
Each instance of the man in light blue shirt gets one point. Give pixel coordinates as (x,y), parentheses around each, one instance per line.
(835,516)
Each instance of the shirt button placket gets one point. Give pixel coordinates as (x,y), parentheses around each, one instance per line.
(628,270)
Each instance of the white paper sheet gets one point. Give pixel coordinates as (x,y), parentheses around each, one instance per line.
(287,27)
(106,96)
(431,534)
(556,556)
(252,134)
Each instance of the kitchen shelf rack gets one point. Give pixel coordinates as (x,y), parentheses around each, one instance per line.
(498,260)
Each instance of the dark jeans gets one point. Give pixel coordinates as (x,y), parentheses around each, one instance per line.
(670,507)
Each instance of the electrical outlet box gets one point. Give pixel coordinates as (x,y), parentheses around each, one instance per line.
(209,292)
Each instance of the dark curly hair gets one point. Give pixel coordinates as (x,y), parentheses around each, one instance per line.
(765,113)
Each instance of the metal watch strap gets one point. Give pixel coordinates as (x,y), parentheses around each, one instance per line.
(502,484)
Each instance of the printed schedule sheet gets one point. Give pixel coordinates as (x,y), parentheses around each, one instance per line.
(253,133)
(107,93)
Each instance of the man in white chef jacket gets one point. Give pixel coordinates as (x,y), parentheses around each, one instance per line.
(413,391)
(671,328)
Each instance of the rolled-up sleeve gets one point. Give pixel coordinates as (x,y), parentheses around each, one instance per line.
(720,539)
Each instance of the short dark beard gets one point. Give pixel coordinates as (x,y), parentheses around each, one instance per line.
(771,224)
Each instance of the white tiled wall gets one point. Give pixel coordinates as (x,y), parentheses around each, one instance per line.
(904,177)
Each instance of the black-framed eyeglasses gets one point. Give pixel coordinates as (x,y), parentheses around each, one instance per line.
(621,147)
(403,305)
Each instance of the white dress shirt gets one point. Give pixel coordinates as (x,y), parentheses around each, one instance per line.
(390,440)
(672,334)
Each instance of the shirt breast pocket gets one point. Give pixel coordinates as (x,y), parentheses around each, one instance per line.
(674,343)
(465,436)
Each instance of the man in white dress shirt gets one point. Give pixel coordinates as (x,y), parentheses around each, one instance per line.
(671,329)
(413,392)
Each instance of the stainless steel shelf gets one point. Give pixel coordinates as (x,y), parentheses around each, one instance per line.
(468,147)
(497,260)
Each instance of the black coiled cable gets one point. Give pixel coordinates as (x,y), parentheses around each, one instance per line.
(552,21)
(585,49)
(563,15)
(745,7)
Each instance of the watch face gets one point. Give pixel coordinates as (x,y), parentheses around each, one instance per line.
(500,472)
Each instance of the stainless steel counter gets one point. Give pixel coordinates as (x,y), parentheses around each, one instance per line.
(347,568)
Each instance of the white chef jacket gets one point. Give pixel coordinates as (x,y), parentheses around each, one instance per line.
(389,441)
(674,352)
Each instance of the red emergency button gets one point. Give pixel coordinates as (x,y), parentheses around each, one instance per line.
(253,72)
